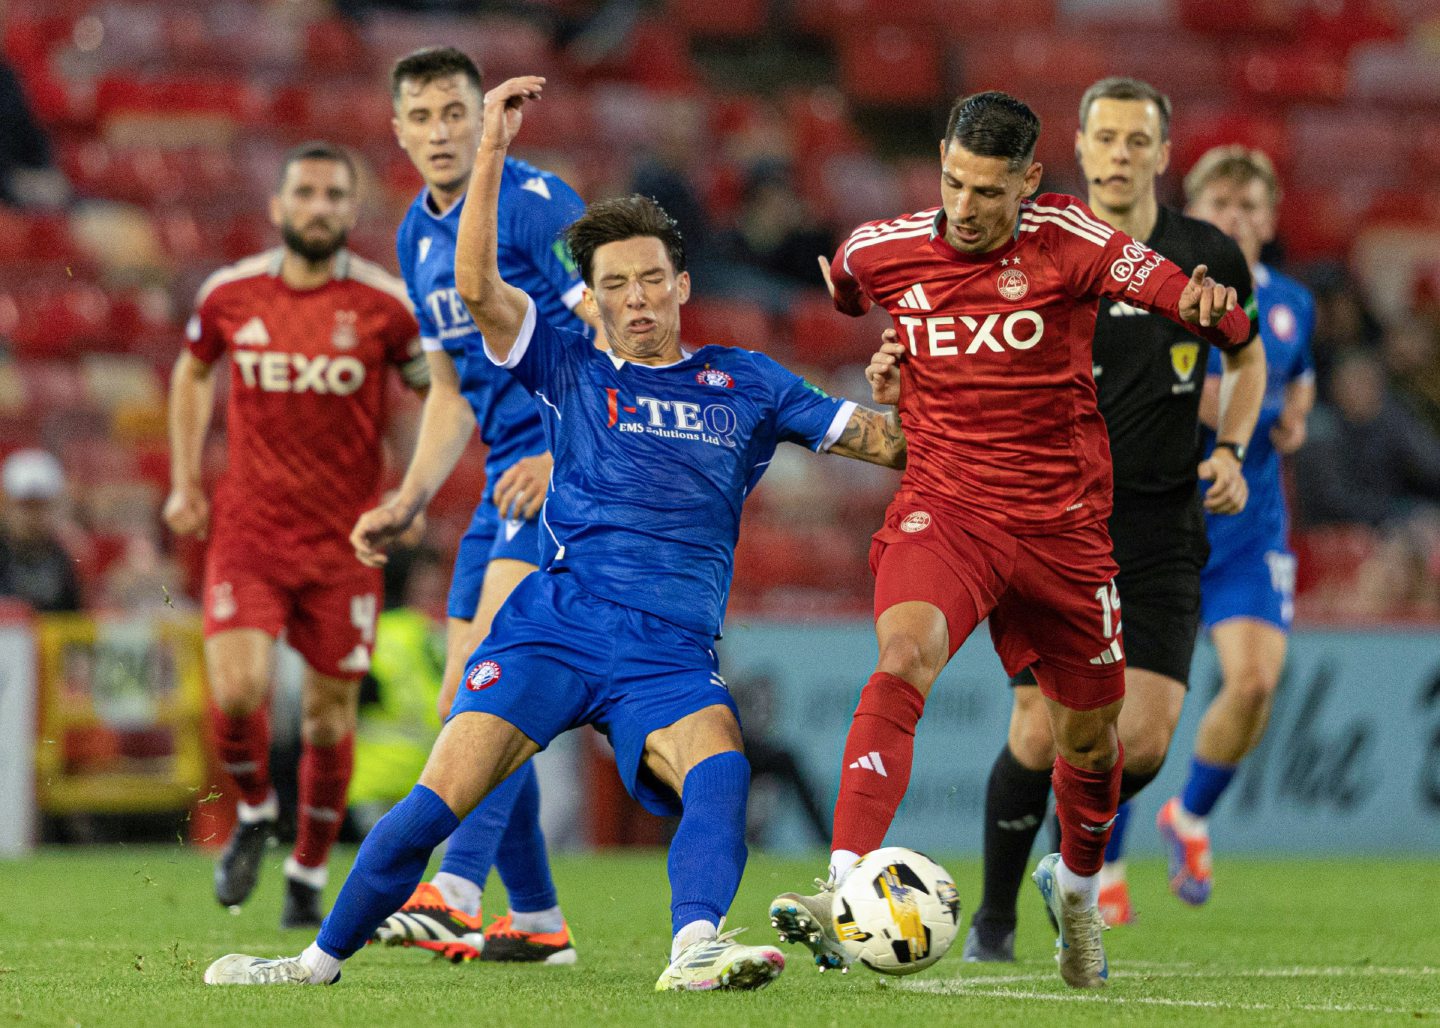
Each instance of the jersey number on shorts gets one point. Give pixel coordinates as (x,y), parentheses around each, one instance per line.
(1109,598)
(362,616)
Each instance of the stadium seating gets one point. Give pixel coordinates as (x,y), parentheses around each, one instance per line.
(168,119)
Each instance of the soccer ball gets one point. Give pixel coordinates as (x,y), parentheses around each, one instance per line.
(897,911)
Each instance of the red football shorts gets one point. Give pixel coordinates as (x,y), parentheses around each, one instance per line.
(1051,599)
(325,601)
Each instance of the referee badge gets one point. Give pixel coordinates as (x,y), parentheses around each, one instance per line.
(1182,358)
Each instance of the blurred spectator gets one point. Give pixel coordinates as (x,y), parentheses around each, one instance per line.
(777,232)
(1369,460)
(28,176)
(1343,323)
(143,580)
(34,565)
(1411,353)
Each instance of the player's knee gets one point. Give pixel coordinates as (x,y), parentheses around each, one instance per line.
(326,718)
(1252,686)
(1145,754)
(906,657)
(238,693)
(1031,740)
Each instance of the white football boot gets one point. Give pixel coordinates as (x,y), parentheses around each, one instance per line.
(1079,950)
(810,921)
(719,962)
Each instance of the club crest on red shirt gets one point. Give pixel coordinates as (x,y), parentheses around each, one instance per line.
(915,521)
(715,377)
(345,336)
(482,676)
(1013,284)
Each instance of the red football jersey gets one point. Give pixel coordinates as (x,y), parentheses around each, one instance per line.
(997,394)
(307,393)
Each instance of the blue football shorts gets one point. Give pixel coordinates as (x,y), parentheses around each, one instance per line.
(1256,582)
(559,657)
(489,537)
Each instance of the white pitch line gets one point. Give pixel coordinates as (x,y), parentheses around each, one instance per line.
(950,988)
(1190,971)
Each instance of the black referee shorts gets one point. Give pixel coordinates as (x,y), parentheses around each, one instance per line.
(1161,548)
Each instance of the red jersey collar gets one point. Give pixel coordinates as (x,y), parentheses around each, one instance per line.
(941,245)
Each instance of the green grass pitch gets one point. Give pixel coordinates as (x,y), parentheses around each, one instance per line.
(121,936)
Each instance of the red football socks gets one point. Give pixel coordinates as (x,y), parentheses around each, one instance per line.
(243,745)
(1085,803)
(324,779)
(878,754)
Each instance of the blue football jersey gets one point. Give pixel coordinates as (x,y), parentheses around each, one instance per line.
(652,464)
(1286,320)
(535,208)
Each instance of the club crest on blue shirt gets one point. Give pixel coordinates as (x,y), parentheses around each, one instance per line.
(715,377)
(482,676)
(1282,322)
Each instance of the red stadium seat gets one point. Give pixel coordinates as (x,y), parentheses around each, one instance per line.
(711,321)
(891,64)
(1241,18)
(333,47)
(1289,74)
(822,336)
(1197,128)
(729,20)
(1029,62)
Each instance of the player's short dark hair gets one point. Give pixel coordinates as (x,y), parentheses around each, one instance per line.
(1117,87)
(429,63)
(626,217)
(318,150)
(994,124)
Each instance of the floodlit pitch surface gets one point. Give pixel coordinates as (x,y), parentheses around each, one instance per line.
(121,936)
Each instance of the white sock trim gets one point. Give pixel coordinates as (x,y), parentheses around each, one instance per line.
(691,934)
(460,893)
(266,810)
(315,877)
(1087,887)
(324,968)
(541,922)
(1187,823)
(841,861)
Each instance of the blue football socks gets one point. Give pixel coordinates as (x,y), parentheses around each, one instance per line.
(474,845)
(389,866)
(707,855)
(522,860)
(1115,848)
(1205,785)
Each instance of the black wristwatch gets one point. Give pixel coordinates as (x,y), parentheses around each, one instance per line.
(1238,449)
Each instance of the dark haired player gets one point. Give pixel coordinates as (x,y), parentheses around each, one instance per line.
(438,110)
(310,330)
(656,447)
(1001,513)
(1150,377)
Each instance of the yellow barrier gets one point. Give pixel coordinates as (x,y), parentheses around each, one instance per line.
(121,714)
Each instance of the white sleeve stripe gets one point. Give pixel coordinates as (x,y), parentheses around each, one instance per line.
(1032,223)
(430,344)
(571,297)
(860,244)
(1077,226)
(837,425)
(522,339)
(923,217)
(1077,215)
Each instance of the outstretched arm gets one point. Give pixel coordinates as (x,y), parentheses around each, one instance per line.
(497,307)
(873,437)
